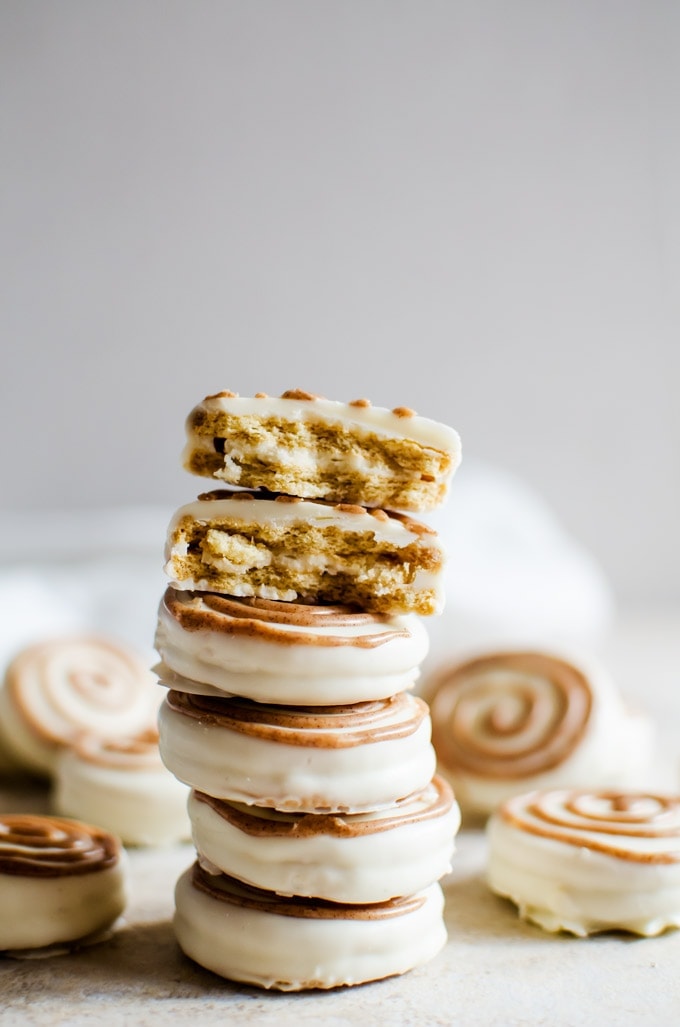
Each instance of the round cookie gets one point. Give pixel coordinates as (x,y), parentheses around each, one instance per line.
(61,882)
(353,758)
(305,445)
(285,652)
(256,937)
(589,861)
(355,858)
(123,785)
(55,690)
(509,722)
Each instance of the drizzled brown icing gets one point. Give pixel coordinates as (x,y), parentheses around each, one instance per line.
(41,846)
(437,801)
(319,727)
(602,821)
(491,718)
(228,889)
(134,752)
(265,619)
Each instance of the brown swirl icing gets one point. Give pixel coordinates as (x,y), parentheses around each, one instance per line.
(132,752)
(318,727)
(57,684)
(437,801)
(265,619)
(228,889)
(40,846)
(602,821)
(509,715)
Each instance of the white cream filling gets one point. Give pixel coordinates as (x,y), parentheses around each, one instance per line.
(293,953)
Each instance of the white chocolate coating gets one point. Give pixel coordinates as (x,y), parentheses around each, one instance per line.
(373,544)
(291,945)
(338,759)
(285,652)
(585,862)
(359,858)
(55,690)
(60,882)
(124,786)
(510,722)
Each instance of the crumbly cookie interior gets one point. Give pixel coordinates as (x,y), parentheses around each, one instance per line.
(315,458)
(307,561)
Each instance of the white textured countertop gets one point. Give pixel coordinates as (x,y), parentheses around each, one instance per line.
(494,970)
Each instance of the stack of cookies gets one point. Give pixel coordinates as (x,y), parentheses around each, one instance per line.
(290,639)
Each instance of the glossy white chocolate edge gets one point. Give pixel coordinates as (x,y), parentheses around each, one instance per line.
(141,804)
(274,668)
(60,881)
(363,864)
(291,953)
(57,689)
(616,747)
(378,420)
(633,884)
(232,765)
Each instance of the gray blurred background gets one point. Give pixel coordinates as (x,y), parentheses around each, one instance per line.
(465,206)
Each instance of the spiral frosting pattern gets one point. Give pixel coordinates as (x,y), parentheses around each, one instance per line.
(62,687)
(129,752)
(639,827)
(509,715)
(42,846)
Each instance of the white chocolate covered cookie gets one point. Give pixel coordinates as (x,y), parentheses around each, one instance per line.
(279,547)
(55,690)
(304,445)
(352,858)
(61,882)
(123,785)
(589,861)
(509,722)
(290,653)
(291,944)
(345,759)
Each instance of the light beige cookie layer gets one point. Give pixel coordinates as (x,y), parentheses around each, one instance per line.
(252,936)
(360,858)
(347,759)
(510,722)
(61,881)
(305,445)
(249,544)
(589,861)
(285,652)
(122,785)
(55,690)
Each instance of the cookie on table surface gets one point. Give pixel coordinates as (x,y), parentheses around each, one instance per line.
(285,652)
(352,758)
(61,882)
(509,722)
(278,547)
(351,858)
(304,445)
(586,861)
(292,944)
(56,689)
(124,786)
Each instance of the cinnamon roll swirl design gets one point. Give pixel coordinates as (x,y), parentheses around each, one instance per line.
(61,882)
(137,752)
(638,827)
(41,846)
(509,715)
(57,689)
